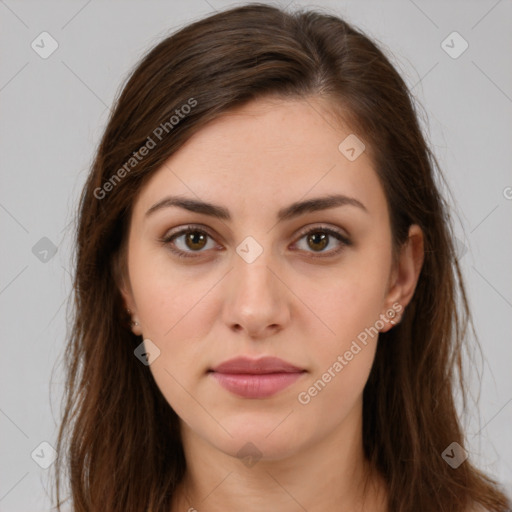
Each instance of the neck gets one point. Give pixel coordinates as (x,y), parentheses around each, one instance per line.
(329,474)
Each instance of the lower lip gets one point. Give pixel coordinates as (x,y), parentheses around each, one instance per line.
(256,385)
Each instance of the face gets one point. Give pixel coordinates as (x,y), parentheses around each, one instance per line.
(260,274)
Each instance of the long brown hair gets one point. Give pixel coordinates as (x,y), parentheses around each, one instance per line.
(119,441)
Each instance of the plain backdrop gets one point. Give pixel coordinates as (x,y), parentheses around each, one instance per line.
(53,112)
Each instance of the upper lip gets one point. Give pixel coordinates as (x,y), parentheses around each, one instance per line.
(260,366)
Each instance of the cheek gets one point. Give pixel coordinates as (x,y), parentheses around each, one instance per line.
(350,299)
(343,360)
(176,315)
(169,297)
(350,302)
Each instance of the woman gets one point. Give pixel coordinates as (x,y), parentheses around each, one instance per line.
(266,287)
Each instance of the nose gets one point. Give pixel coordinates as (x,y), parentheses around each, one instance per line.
(257,300)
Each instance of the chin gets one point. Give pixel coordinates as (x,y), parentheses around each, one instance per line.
(268,439)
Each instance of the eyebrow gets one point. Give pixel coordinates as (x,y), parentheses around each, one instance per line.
(294,210)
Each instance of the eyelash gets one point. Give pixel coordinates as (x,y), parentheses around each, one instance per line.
(168,239)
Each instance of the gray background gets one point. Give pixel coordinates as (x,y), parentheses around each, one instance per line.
(53,112)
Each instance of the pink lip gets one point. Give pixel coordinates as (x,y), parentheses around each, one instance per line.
(256,378)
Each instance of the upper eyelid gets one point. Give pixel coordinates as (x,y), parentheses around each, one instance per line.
(298,233)
(185,228)
(209,231)
(322,226)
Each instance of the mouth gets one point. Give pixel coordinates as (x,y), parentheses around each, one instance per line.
(256,378)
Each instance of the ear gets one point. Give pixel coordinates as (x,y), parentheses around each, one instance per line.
(122,280)
(405,274)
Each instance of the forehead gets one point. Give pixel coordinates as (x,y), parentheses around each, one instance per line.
(267,154)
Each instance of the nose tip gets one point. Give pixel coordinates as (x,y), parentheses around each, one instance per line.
(257,300)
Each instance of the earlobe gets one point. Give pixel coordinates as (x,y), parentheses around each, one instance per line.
(123,284)
(131,310)
(406,273)
(134,323)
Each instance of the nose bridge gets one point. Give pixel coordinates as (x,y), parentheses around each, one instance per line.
(252,275)
(257,299)
(255,276)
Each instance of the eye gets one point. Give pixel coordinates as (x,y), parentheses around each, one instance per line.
(186,241)
(193,239)
(319,238)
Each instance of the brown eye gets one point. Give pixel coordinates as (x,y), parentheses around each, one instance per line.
(318,241)
(320,238)
(185,242)
(195,240)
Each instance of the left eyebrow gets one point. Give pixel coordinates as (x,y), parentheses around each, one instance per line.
(294,210)
(316,204)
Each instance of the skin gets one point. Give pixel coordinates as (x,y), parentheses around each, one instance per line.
(290,302)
